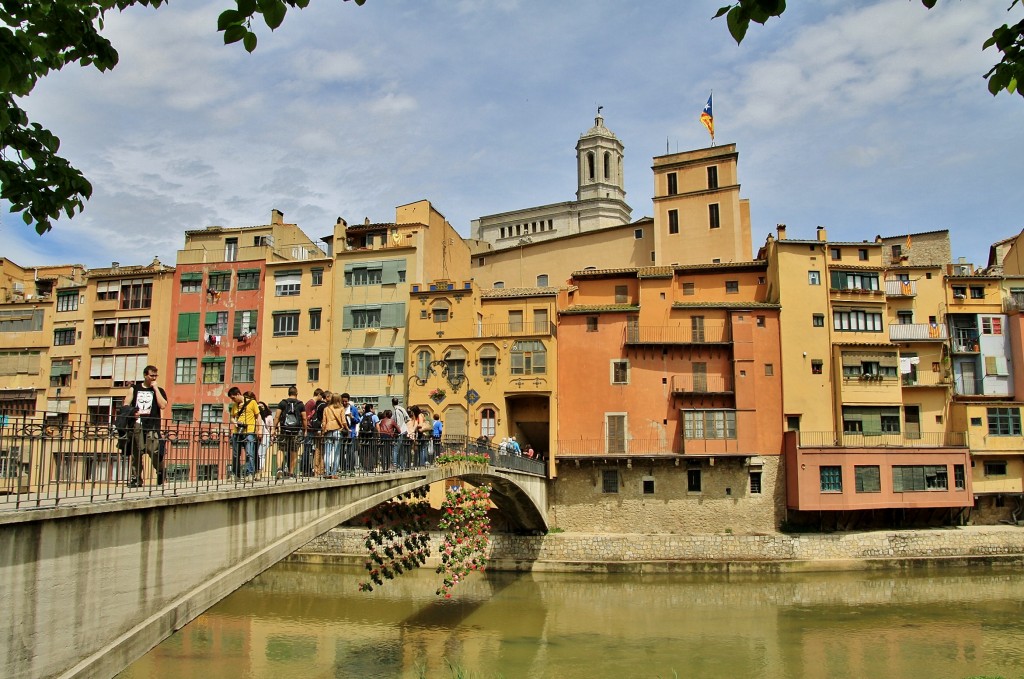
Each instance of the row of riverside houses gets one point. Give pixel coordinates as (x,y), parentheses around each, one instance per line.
(671,379)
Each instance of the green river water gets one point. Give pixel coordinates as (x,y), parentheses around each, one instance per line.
(299,621)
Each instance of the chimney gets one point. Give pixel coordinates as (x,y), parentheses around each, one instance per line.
(276,217)
(341,221)
(822,234)
(114,265)
(781,228)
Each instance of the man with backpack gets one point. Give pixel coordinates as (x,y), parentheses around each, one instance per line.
(290,423)
(368,444)
(402,441)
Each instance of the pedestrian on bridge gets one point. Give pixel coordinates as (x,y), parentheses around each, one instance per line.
(150,401)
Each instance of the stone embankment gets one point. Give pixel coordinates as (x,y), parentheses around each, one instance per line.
(777,552)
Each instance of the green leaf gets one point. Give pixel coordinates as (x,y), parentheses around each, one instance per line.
(249,42)
(721,11)
(234,34)
(228,18)
(274,15)
(247,7)
(738,23)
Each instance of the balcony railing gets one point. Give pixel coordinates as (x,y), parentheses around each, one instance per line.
(896,288)
(831,439)
(701,384)
(525,328)
(672,334)
(966,341)
(917,332)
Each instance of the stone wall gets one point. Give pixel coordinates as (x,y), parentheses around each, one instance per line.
(568,551)
(578,501)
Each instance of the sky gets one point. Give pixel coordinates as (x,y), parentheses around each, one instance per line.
(869,118)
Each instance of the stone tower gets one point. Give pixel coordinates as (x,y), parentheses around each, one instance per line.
(599,164)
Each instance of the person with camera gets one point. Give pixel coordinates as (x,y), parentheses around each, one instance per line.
(245,415)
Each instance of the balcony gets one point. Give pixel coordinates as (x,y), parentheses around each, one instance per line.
(701,384)
(831,439)
(133,341)
(896,288)
(523,329)
(708,333)
(917,332)
(966,341)
(613,447)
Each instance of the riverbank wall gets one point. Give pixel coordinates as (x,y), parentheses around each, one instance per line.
(778,552)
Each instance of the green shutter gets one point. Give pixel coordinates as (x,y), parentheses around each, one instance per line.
(346,318)
(238,324)
(289,272)
(392,315)
(58,369)
(399,355)
(391,267)
(213,359)
(255,314)
(188,327)
(211,318)
(192,277)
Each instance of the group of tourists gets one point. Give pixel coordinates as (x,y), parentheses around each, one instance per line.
(329,435)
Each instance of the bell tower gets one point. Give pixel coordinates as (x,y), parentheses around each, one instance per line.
(599,164)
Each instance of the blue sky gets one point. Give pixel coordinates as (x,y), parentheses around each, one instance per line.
(866,117)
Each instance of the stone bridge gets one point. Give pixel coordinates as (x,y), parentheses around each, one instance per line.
(89,588)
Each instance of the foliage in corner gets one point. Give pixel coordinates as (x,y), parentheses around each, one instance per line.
(1005,75)
(41,36)
(396,538)
(467,535)
(453,457)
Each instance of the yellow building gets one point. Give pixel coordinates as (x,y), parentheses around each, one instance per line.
(485,360)
(375,265)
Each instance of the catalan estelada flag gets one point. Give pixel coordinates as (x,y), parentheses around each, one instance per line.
(708,118)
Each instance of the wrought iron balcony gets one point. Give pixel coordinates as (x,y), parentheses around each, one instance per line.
(867,439)
(708,333)
(701,384)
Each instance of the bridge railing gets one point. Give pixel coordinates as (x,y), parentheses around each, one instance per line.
(46,462)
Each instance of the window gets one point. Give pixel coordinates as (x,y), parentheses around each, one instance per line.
(67,301)
(313,371)
(230,249)
(287,284)
(697,328)
(959,291)
(621,294)
(713,216)
(977,292)
(211,413)
(897,251)
(515,321)
(769,369)
(713,177)
(540,320)
(912,478)
(647,486)
(190,282)
(243,369)
(314,319)
(487,420)
(673,183)
(286,323)
(732,287)
(591,323)
(529,357)
(615,429)
(216,323)
(995,467)
(709,424)
(959,478)
(63,337)
(108,290)
(905,317)
(455,361)
(755,483)
(816,366)
(857,321)
(792,423)
(283,373)
(836,254)
(60,373)
(213,370)
(316,277)
(813,278)
(368,317)
(638,234)
(854,280)
(220,281)
(831,479)
(991,325)
(386,272)
(1004,421)
(542,280)
(760,321)
(182,412)
(439,312)
(137,294)
(609,481)
(488,366)
(673,221)
(868,479)
(248,279)
(371,362)
(185,371)
(620,372)
(693,480)
(498,285)
(423,360)
(245,323)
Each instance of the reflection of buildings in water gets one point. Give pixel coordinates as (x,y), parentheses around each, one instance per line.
(213,646)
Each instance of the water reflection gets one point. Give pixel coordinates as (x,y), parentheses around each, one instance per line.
(309,621)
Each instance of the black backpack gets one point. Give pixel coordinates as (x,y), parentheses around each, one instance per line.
(366,428)
(291,420)
(318,416)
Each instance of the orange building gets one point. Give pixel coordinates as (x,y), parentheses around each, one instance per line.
(658,371)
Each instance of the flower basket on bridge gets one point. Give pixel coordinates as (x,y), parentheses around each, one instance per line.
(456,457)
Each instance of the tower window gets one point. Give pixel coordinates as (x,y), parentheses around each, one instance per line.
(713,177)
(673,184)
(713,218)
(607,165)
(673,221)
(590,165)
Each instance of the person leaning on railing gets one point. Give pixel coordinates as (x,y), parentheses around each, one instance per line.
(149,401)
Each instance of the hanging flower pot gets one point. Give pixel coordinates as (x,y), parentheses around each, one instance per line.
(437,395)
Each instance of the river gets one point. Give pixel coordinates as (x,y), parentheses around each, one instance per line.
(298,621)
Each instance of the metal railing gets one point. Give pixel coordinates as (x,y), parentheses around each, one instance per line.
(701,384)
(600,447)
(45,463)
(523,328)
(898,288)
(709,333)
(914,332)
(831,439)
